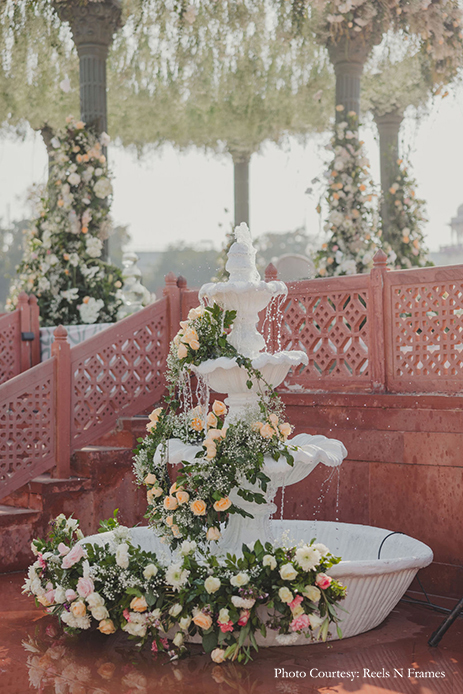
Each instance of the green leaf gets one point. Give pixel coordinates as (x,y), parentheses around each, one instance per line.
(210,641)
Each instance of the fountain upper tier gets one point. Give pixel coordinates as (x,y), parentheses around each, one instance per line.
(246,293)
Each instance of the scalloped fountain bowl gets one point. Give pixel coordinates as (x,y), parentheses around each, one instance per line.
(374,586)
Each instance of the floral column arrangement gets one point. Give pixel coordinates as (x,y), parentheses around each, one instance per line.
(62,262)
(351,219)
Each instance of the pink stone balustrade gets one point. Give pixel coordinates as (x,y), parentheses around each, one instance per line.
(19,338)
(386,332)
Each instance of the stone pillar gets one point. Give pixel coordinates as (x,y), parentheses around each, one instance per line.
(93,25)
(348,57)
(241,185)
(388,127)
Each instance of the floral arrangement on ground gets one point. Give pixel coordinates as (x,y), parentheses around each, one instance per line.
(223,602)
(62,263)
(191,590)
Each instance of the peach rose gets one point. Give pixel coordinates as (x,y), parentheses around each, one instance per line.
(198,507)
(170,503)
(150,478)
(197,424)
(222,504)
(213,534)
(211,450)
(256,426)
(285,429)
(170,521)
(214,434)
(176,531)
(78,608)
(43,599)
(194,344)
(175,488)
(182,497)
(273,419)
(203,620)
(182,351)
(211,420)
(267,431)
(106,626)
(138,605)
(151,494)
(218,655)
(154,416)
(219,408)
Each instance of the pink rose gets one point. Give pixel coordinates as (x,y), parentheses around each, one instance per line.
(226,626)
(75,555)
(300,623)
(70,595)
(296,602)
(41,560)
(323,581)
(50,596)
(85,587)
(126,615)
(63,549)
(244,616)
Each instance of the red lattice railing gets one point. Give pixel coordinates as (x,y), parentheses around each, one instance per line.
(424,330)
(118,372)
(27,426)
(19,338)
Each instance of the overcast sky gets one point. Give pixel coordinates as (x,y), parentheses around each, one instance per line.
(171,197)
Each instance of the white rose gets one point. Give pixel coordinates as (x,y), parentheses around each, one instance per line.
(175,609)
(135,629)
(288,572)
(187,547)
(239,580)
(184,623)
(312,593)
(150,571)
(315,621)
(285,595)
(94,600)
(103,188)
(323,549)
(60,595)
(74,179)
(268,560)
(224,615)
(178,639)
(245,603)
(212,584)
(122,556)
(100,613)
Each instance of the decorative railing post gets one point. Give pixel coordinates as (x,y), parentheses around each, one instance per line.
(24,332)
(172,292)
(377,355)
(35,328)
(61,349)
(182,285)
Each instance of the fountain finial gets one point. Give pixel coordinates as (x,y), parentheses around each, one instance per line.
(241,263)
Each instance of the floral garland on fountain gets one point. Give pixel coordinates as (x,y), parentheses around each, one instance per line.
(62,262)
(193,590)
(406,223)
(351,220)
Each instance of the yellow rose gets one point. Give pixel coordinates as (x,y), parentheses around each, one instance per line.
(182,497)
(198,507)
(139,605)
(170,503)
(219,408)
(267,431)
(222,504)
(150,478)
(78,608)
(203,620)
(182,351)
(106,626)
(197,424)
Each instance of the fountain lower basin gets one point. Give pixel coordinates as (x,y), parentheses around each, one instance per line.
(374,586)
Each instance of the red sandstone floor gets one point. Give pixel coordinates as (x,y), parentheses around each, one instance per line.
(35,658)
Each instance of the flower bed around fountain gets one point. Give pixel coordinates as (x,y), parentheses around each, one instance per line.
(212,567)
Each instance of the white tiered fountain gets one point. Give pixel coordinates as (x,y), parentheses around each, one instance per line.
(377,566)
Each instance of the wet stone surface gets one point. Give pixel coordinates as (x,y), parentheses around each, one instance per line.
(35,656)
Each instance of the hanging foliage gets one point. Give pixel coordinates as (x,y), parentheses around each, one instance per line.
(62,262)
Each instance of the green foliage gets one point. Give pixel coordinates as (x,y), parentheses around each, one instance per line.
(11,250)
